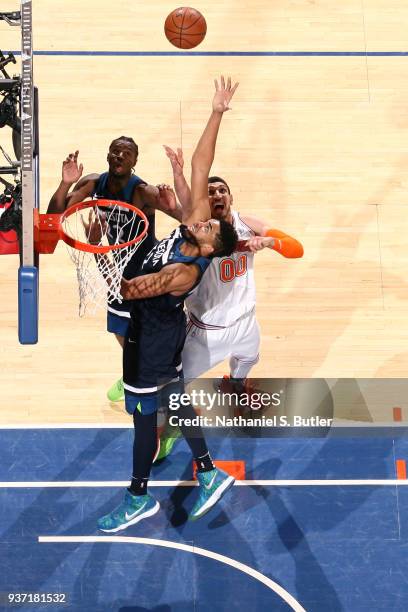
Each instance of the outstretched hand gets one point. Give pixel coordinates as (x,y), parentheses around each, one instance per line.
(176,160)
(223,95)
(71,172)
(167,197)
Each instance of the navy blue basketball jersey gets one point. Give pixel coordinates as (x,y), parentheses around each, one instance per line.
(157,332)
(164,253)
(120,220)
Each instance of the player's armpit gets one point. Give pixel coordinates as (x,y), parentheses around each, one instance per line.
(284,244)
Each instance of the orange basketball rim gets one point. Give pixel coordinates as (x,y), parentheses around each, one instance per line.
(50,228)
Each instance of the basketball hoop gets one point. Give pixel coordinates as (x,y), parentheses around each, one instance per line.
(101,237)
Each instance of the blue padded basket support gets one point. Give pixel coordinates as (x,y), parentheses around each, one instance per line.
(28,305)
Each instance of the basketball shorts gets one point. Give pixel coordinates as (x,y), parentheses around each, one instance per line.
(151,362)
(118,317)
(205,348)
(159,400)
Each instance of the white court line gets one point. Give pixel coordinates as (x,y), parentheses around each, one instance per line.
(192,483)
(246,569)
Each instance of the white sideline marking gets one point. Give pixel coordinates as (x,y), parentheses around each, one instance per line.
(246,569)
(388,482)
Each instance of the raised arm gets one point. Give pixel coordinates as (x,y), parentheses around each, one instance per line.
(181,186)
(203,156)
(71,174)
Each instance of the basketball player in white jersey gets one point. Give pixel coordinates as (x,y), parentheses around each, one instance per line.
(221,311)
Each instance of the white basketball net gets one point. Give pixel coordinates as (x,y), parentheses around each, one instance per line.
(99,275)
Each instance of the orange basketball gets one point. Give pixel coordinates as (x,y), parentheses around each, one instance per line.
(185,27)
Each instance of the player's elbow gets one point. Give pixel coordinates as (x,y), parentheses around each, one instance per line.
(296,251)
(200,164)
(292,249)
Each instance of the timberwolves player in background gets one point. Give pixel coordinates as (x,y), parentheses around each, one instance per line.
(152,367)
(119,183)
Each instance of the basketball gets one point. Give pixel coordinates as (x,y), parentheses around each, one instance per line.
(185,27)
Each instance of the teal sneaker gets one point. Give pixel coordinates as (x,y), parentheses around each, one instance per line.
(133,509)
(213,485)
(116,393)
(168,438)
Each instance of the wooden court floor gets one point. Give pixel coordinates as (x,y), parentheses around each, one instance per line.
(315,144)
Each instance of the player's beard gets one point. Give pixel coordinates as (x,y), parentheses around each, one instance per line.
(188,236)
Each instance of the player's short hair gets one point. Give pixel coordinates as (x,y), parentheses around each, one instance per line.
(226,241)
(128,140)
(218,179)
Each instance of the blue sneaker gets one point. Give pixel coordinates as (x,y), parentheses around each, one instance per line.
(133,509)
(213,485)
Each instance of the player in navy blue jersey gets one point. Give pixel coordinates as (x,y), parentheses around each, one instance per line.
(121,184)
(152,368)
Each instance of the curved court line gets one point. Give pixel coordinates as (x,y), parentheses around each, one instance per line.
(246,569)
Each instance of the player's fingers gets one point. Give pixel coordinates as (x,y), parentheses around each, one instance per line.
(216,84)
(234,88)
(81,167)
(222,82)
(229,83)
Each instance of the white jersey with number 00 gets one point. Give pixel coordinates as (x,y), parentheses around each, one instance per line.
(227,289)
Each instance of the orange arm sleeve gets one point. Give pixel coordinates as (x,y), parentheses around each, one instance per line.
(285,245)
